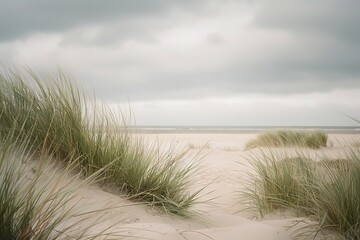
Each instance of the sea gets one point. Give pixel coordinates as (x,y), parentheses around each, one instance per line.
(241,129)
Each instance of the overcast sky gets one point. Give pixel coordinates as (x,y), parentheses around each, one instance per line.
(198,62)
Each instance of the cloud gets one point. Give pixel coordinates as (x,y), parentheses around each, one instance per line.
(19,18)
(332,18)
(156,50)
(316,109)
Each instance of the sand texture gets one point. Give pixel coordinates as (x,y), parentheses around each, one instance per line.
(220,214)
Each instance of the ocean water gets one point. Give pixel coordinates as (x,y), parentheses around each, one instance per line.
(241,129)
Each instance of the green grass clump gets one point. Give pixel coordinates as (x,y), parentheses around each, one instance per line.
(54,116)
(280,138)
(37,202)
(327,191)
(280,184)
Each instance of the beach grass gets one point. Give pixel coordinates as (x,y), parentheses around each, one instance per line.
(206,145)
(50,113)
(37,198)
(287,138)
(326,191)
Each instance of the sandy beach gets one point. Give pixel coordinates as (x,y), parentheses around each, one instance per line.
(219,213)
(184,120)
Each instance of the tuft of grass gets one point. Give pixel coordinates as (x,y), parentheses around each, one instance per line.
(278,184)
(52,114)
(206,145)
(326,191)
(280,138)
(37,202)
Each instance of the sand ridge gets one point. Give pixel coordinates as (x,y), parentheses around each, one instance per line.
(226,164)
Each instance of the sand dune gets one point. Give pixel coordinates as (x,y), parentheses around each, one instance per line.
(220,215)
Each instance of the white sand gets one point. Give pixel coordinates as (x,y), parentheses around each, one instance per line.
(225,166)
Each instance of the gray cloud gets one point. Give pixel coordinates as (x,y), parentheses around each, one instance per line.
(286,47)
(335,18)
(220,83)
(215,38)
(298,68)
(19,18)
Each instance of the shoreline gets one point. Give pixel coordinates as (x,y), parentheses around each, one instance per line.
(163,130)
